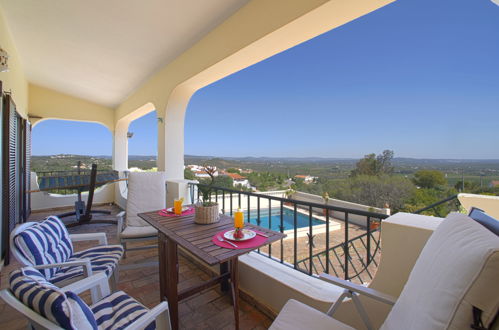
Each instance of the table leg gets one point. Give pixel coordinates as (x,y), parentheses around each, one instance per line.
(224,285)
(234,282)
(172,280)
(163,278)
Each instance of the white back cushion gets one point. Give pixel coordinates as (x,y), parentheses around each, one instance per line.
(45,242)
(146,192)
(457,269)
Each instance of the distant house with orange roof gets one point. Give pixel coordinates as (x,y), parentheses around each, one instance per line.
(306,178)
(200,172)
(238,179)
(494,183)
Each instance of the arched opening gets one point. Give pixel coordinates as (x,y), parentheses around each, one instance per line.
(63,153)
(58,145)
(405,88)
(142,137)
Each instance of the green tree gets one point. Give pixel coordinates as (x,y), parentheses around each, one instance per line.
(241,187)
(422,198)
(429,179)
(373,165)
(188,174)
(223,181)
(233,170)
(264,181)
(376,191)
(469,186)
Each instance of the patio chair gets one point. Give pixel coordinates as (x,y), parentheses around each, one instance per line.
(453,285)
(146,192)
(48,247)
(49,307)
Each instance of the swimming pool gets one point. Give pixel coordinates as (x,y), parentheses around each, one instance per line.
(288,219)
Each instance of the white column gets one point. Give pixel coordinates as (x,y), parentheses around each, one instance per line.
(120,146)
(171,135)
(120,160)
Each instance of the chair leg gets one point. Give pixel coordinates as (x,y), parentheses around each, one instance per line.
(116,274)
(163,321)
(113,280)
(124,249)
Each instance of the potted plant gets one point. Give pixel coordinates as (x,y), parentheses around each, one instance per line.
(325,197)
(207,212)
(289,193)
(374,223)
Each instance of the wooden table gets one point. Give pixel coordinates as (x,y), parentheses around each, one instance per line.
(184,232)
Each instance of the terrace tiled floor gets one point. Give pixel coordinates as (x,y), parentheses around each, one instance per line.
(211,309)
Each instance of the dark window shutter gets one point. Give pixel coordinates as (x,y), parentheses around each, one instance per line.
(27,177)
(12,161)
(4,223)
(19,169)
(9,150)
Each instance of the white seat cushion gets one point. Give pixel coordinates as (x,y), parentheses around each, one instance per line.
(146,192)
(136,232)
(103,258)
(295,315)
(458,268)
(118,311)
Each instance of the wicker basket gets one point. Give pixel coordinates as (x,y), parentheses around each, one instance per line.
(206,215)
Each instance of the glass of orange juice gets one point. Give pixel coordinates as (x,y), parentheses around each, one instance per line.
(177,206)
(239,219)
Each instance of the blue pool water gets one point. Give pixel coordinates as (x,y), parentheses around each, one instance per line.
(302,220)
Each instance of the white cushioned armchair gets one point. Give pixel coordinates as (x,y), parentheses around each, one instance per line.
(48,247)
(146,192)
(49,307)
(454,279)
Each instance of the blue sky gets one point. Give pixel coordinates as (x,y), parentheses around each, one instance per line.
(418,77)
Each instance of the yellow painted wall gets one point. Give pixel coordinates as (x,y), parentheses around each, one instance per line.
(50,104)
(13,80)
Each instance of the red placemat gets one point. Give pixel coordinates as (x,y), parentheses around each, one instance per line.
(165,213)
(251,243)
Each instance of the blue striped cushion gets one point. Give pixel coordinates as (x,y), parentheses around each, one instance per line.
(119,310)
(64,308)
(103,259)
(44,243)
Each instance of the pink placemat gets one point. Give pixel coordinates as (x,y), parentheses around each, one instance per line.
(165,213)
(251,243)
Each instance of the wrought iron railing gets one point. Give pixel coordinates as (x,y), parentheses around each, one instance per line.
(314,243)
(44,177)
(362,271)
(445,205)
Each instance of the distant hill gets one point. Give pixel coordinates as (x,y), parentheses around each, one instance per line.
(317,166)
(251,159)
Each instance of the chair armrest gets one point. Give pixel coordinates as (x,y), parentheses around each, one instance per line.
(158,313)
(87,266)
(7,296)
(98,280)
(121,223)
(368,292)
(101,237)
